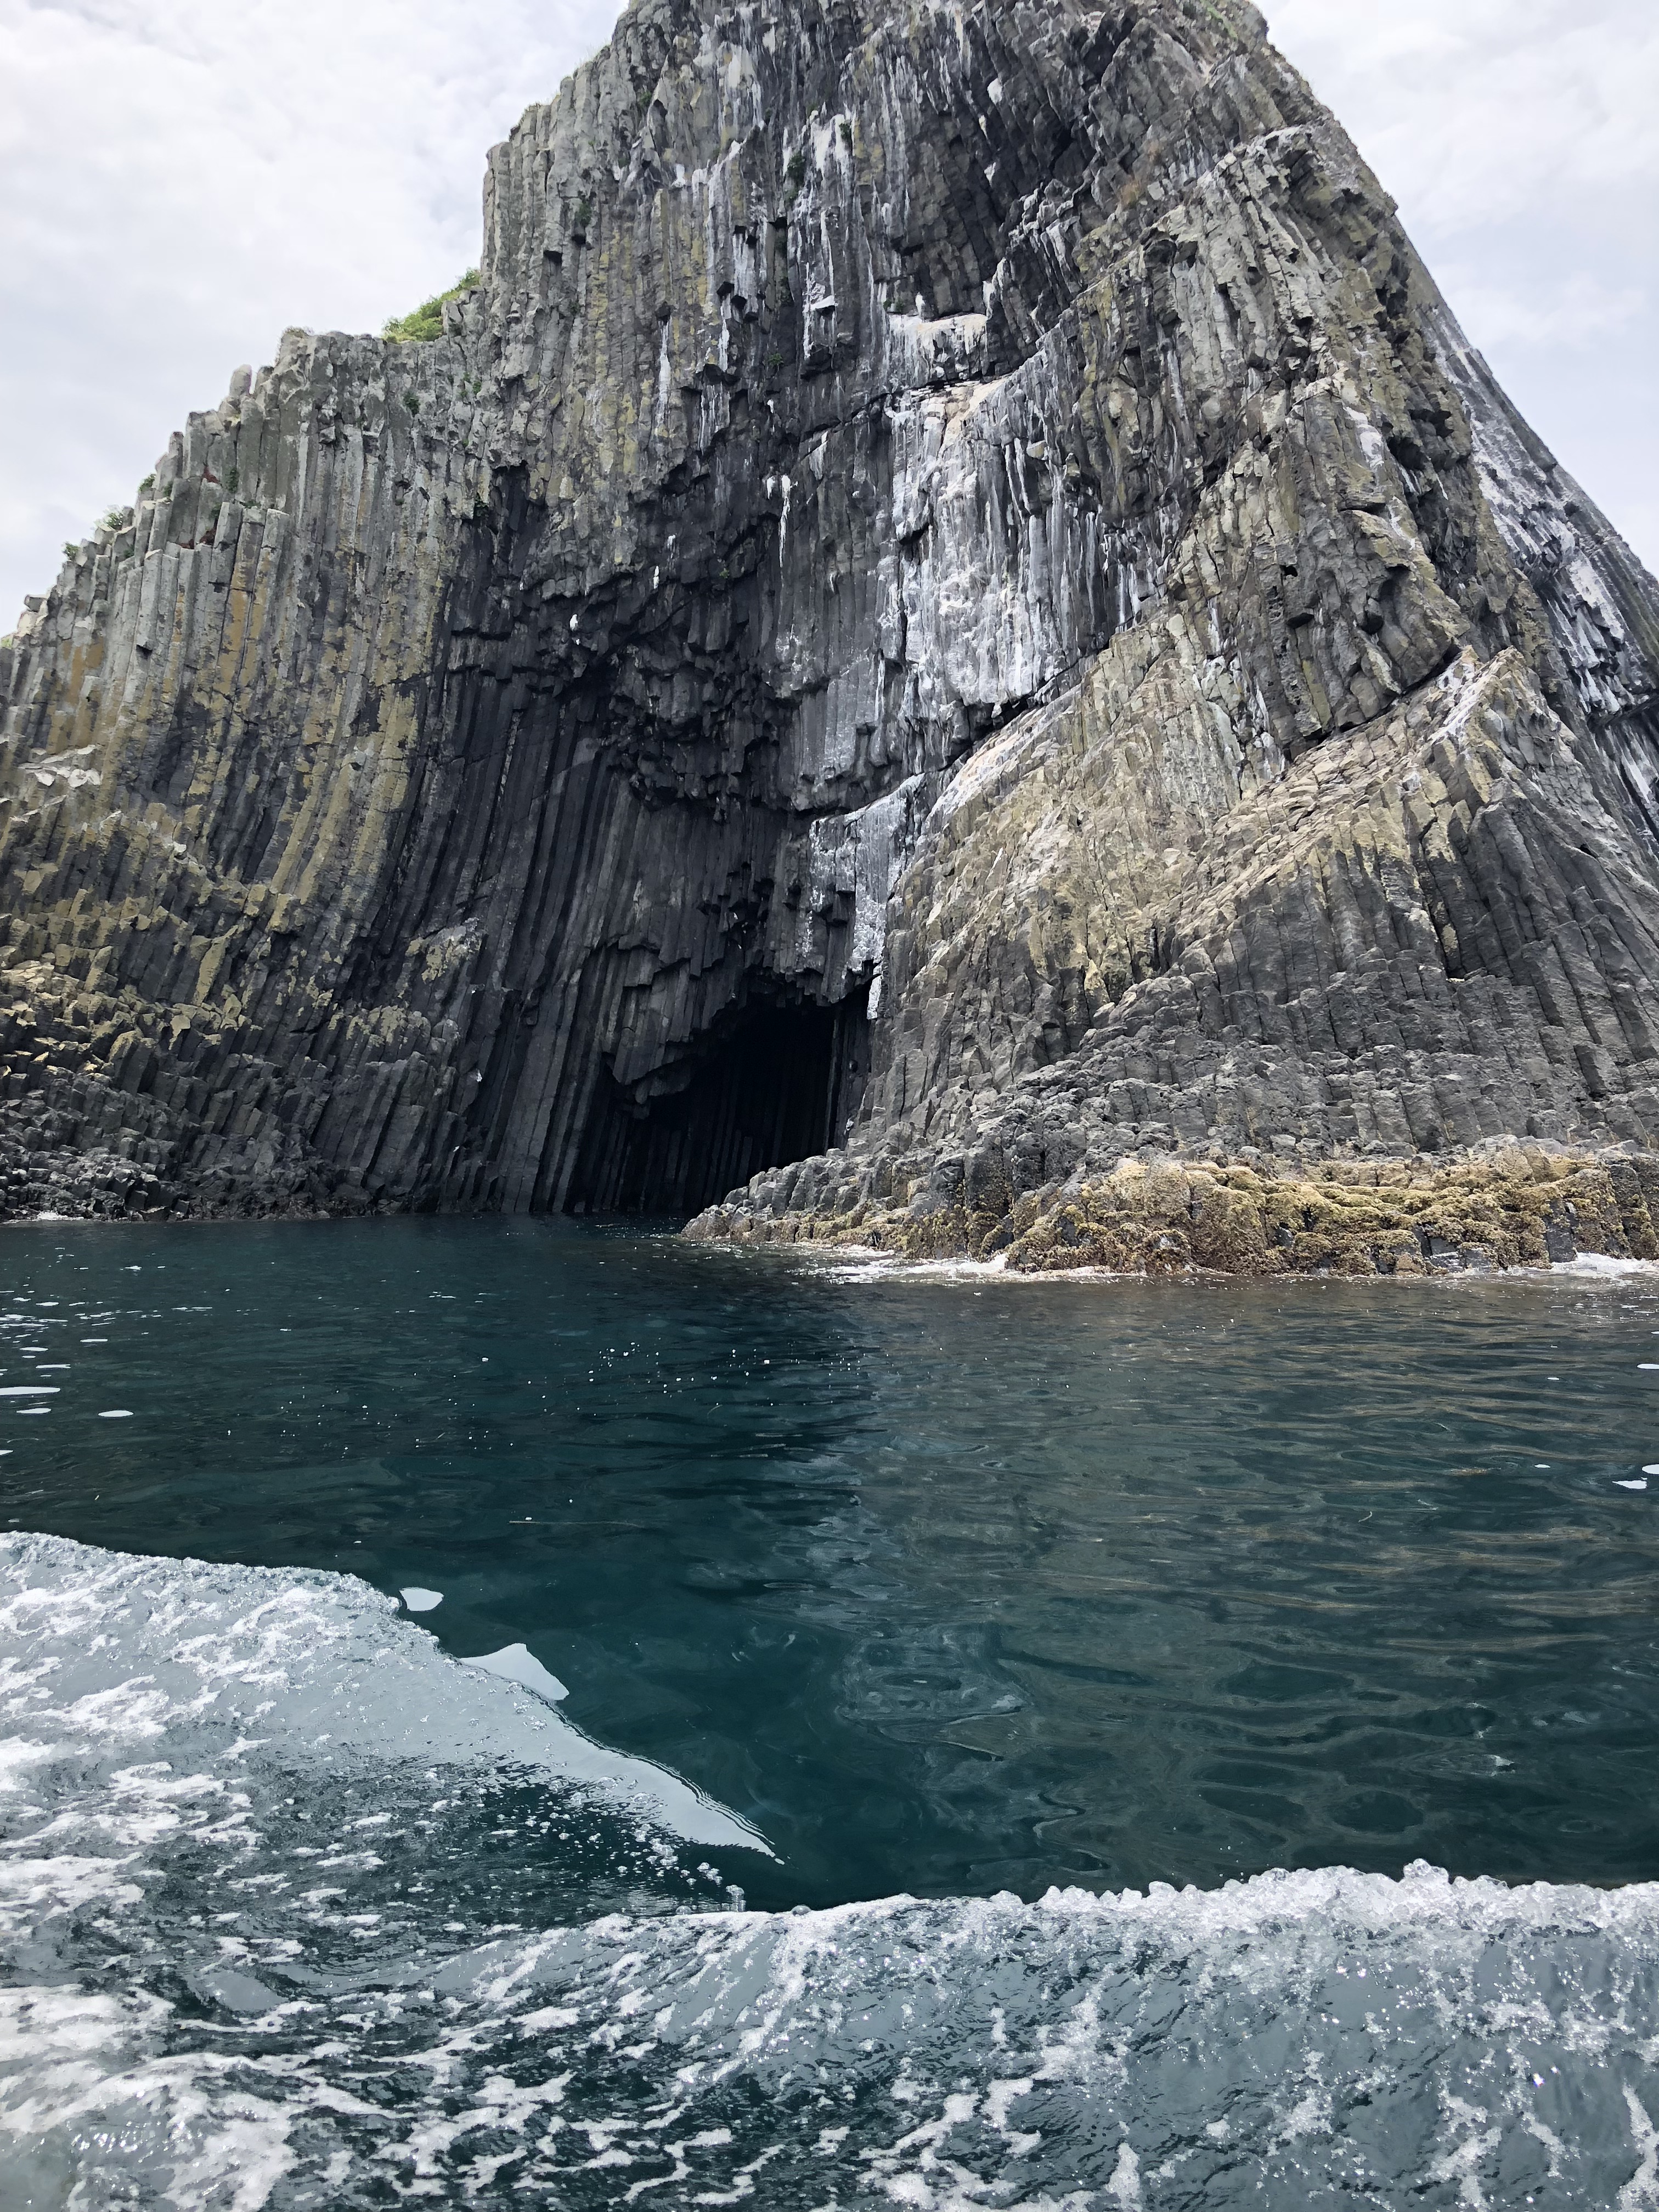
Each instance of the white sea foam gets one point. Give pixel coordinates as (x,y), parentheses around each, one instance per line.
(516,1663)
(98,1642)
(75,2063)
(867,1263)
(1220,2048)
(1279,2041)
(856,1263)
(1293,2039)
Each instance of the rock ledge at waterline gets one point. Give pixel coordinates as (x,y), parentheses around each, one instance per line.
(954,586)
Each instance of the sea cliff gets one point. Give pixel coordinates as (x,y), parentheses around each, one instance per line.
(952,649)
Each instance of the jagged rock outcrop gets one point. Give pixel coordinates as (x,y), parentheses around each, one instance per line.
(954,584)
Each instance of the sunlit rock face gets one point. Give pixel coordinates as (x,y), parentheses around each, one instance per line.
(954,608)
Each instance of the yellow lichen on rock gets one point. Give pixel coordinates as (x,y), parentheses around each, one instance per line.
(1514,1207)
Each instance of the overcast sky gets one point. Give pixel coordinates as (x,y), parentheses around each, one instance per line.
(179,179)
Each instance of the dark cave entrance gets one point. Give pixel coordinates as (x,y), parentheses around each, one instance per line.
(779,1084)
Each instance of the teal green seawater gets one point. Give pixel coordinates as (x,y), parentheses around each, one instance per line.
(952,1584)
(949,1587)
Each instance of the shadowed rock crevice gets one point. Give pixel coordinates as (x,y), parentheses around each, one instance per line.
(975,513)
(777,1084)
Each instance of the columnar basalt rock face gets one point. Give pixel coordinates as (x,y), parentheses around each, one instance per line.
(955,573)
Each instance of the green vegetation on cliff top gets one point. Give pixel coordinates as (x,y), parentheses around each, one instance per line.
(427,321)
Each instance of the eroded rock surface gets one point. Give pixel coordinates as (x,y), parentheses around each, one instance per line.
(955,585)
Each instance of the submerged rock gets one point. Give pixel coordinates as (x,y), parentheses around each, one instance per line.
(952,648)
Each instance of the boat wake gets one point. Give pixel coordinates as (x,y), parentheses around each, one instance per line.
(298,1912)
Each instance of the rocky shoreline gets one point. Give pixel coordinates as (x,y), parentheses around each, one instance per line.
(1514,1206)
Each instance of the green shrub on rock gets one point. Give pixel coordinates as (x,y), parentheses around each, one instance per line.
(427,321)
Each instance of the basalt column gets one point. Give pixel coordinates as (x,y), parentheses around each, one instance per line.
(953,614)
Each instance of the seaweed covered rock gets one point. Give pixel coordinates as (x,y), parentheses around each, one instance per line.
(1508,1206)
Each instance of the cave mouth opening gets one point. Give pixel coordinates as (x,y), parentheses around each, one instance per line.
(776,1083)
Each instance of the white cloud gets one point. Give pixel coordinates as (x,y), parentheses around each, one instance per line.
(1479,111)
(1576,315)
(181,179)
(1518,136)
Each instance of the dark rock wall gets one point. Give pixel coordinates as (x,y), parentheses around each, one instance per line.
(915,499)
